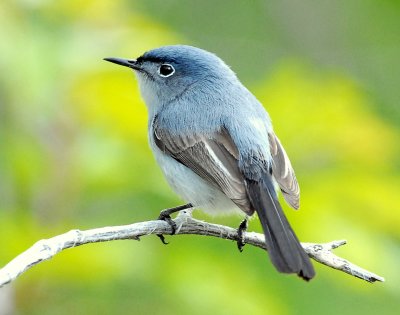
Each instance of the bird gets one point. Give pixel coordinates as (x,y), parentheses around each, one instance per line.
(216,146)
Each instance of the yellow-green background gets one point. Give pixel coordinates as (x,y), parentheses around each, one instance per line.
(74,153)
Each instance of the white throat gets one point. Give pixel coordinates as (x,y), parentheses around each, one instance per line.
(148,94)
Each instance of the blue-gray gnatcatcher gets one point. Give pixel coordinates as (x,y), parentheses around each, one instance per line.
(215,144)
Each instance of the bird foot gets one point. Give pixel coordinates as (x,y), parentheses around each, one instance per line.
(240,231)
(165,215)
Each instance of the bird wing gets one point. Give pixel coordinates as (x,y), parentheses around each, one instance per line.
(214,158)
(283,172)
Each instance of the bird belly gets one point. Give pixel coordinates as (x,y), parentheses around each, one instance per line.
(192,188)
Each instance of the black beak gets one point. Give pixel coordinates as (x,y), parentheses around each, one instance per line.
(130,63)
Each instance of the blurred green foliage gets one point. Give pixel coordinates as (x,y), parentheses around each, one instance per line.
(74,153)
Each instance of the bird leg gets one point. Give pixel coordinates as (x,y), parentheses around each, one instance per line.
(165,215)
(240,231)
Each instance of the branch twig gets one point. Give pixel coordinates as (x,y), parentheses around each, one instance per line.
(47,248)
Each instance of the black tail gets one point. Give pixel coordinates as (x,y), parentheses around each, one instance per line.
(284,249)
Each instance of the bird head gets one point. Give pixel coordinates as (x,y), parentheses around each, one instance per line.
(168,72)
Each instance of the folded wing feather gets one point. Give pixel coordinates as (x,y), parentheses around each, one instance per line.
(283,172)
(214,158)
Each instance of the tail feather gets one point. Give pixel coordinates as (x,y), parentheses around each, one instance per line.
(285,250)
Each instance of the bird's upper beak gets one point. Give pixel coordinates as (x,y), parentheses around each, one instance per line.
(130,63)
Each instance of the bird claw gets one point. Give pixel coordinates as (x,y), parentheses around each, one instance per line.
(240,231)
(165,215)
(162,238)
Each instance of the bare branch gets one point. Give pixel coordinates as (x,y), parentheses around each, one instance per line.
(47,248)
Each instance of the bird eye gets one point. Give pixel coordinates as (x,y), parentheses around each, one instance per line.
(166,70)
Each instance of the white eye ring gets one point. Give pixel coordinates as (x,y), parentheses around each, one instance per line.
(166,70)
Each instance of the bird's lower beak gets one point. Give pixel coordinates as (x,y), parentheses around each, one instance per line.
(130,63)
